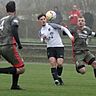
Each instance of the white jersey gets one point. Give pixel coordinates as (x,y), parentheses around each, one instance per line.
(52,35)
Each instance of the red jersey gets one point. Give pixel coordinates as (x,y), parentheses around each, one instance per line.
(74,14)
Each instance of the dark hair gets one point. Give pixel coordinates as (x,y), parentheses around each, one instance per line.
(10,6)
(42,14)
(81,16)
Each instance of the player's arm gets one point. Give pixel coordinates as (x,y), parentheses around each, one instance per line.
(43,37)
(15,26)
(67,32)
(94,34)
(62,28)
(71,16)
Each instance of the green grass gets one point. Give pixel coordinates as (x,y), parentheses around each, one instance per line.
(37,81)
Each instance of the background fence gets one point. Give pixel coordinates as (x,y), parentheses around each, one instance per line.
(31,8)
(27,11)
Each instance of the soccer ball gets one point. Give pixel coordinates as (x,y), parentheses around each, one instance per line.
(50,15)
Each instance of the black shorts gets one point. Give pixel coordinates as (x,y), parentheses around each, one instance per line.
(57,52)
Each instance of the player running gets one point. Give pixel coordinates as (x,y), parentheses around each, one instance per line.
(8,38)
(82,54)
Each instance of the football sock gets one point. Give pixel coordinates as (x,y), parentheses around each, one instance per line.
(54,73)
(15,78)
(95,73)
(59,70)
(9,70)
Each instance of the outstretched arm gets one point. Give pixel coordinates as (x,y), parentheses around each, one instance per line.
(59,27)
(67,32)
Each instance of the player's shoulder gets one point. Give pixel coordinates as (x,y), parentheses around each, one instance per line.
(54,25)
(14,20)
(87,28)
(5,17)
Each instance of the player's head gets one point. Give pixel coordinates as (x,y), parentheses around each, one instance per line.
(81,21)
(74,7)
(42,19)
(10,6)
(56,8)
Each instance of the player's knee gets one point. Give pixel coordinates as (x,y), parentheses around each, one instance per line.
(60,61)
(93,64)
(52,61)
(81,69)
(20,70)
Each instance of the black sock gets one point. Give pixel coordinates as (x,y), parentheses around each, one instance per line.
(15,78)
(54,73)
(9,70)
(59,70)
(95,73)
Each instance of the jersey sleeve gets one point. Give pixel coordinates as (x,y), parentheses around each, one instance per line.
(15,22)
(62,28)
(94,34)
(14,27)
(55,26)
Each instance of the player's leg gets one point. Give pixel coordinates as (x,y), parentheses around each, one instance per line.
(78,57)
(60,67)
(60,70)
(94,66)
(15,78)
(54,73)
(53,63)
(5,50)
(80,67)
(90,59)
(94,72)
(12,56)
(60,61)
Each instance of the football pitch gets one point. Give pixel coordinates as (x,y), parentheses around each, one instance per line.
(37,81)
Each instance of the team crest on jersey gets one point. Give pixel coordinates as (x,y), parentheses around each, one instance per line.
(49,29)
(61,56)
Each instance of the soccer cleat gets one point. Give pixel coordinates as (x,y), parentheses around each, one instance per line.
(16,87)
(60,81)
(56,82)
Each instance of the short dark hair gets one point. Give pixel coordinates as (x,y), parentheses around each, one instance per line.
(81,16)
(10,6)
(40,15)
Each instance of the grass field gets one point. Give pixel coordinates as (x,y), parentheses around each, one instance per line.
(37,81)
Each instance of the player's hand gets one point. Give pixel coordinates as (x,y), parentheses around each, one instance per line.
(44,39)
(72,38)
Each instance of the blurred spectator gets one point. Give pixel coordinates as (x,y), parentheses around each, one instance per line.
(59,17)
(73,15)
(89,19)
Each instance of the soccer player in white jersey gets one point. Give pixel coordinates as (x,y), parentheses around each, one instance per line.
(55,49)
